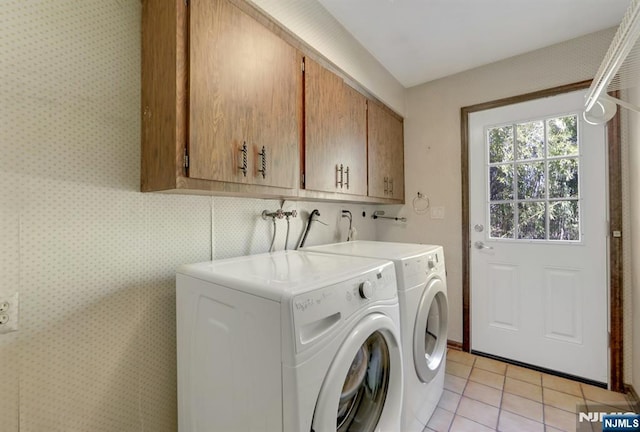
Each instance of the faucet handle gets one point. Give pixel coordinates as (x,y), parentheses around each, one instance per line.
(279,214)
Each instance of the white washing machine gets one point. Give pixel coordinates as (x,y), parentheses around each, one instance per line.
(422,292)
(289,341)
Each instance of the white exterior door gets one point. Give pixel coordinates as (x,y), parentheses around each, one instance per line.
(539,278)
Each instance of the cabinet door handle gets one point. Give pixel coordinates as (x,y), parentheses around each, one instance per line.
(390,186)
(347,173)
(386,185)
(263,157)
(243,166)
(339,175)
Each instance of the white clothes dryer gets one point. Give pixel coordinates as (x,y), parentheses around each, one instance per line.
(422,292)
(289,341)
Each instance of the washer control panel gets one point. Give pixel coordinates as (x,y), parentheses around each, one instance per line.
(417,270)
(315,313)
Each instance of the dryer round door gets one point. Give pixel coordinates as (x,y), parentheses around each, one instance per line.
(430,331)
(362,390)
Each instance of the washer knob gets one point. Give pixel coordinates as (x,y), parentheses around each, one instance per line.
(366,290)
(431,264)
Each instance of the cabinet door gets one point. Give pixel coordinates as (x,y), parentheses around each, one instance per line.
(335,133)
(354,140)
(245,88)
(386,153)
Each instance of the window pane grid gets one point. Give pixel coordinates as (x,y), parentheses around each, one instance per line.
(533,180)
(550,158)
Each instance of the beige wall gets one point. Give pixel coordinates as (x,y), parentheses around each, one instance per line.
(432,141)
(634,237)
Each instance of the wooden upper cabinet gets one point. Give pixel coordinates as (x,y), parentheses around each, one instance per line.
(226,108)
(245,96)
(335,133)
(386,153)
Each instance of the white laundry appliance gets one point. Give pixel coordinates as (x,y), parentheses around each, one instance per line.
(422,292)
(289,341)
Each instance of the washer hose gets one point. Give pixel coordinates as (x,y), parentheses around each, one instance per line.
(273,239)
(286,239)
(315,212)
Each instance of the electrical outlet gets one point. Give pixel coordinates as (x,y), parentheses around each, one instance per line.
(8,313)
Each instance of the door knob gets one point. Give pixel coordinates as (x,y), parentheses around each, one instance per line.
(481,245)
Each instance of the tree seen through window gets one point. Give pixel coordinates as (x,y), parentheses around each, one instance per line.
(533,180)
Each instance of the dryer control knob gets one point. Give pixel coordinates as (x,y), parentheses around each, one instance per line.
(431,264)
(366,290)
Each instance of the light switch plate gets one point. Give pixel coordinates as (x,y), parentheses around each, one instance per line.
(437,212)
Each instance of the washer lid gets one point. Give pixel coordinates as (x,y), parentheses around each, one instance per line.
(282,274)
(374,249)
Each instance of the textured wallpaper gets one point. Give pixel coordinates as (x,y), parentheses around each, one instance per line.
(240,230)
(92,258)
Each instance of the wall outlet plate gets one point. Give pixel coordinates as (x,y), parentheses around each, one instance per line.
(9,313)
(437,212)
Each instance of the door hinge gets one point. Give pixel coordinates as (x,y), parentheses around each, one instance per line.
(186,3)
(302,180)
(186,159)
(609,339)
(302,65)
(616,234)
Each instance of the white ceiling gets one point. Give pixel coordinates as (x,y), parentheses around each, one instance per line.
(422,40)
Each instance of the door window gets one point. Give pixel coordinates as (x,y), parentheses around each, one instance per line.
(533,187)
(365,387)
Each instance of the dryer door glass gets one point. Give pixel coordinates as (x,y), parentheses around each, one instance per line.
(432,332)
(365,387)
(430,336)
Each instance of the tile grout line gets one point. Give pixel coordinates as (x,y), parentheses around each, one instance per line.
(543,389)
(504,383)
(544,416)
(465,387)
(466,383)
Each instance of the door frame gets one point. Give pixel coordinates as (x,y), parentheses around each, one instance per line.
(615,224)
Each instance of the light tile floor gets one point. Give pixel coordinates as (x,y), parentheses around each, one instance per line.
(482,394)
